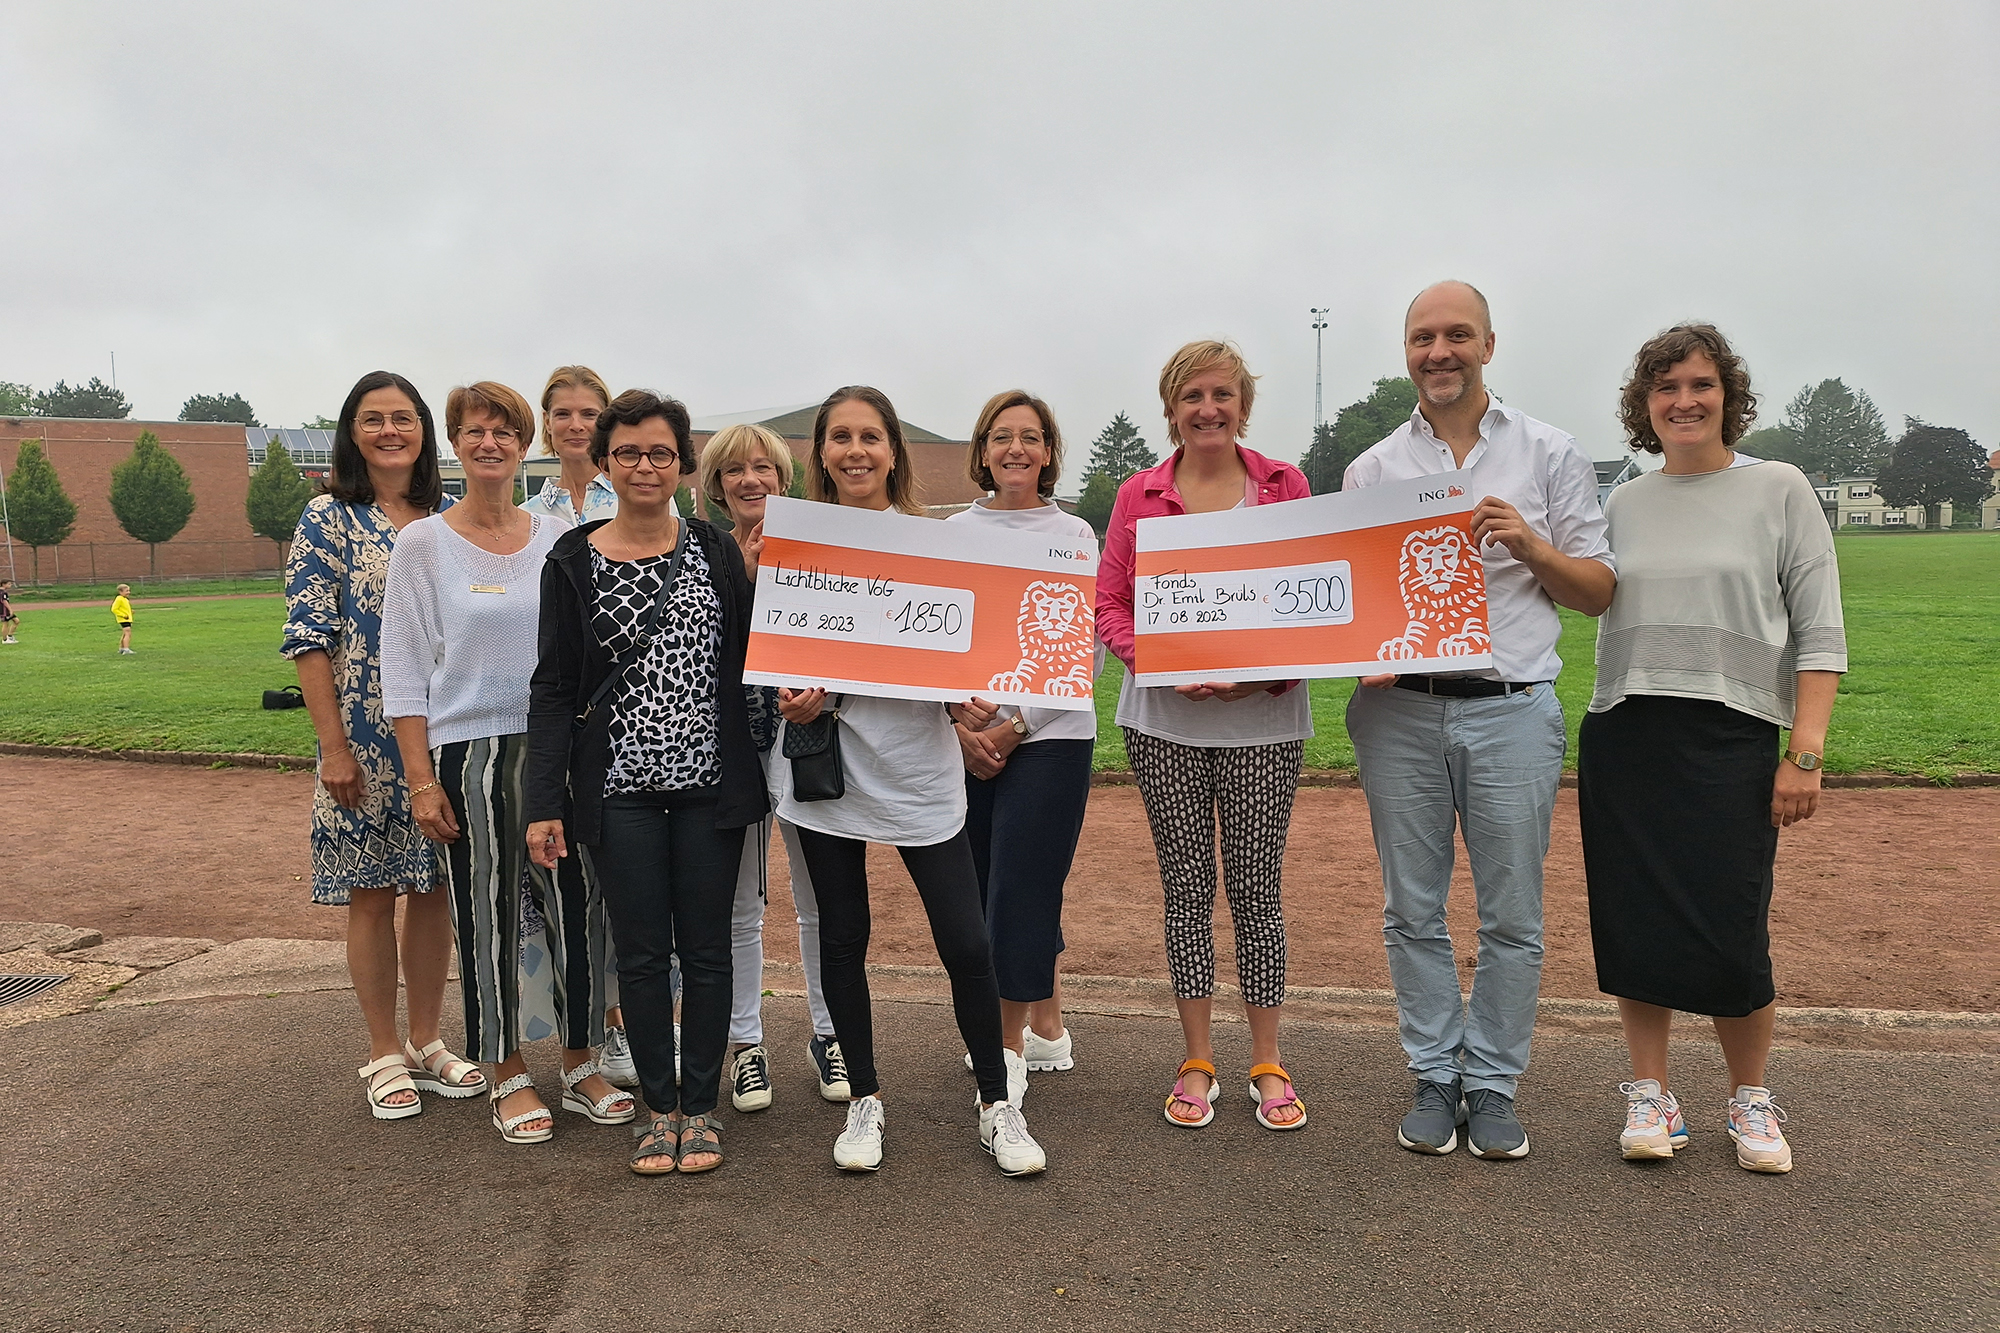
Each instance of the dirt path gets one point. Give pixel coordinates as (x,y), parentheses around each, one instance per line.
(1885,900)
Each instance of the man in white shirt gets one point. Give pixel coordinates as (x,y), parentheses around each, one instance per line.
(1485,749)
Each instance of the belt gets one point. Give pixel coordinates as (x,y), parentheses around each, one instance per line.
(1462,687)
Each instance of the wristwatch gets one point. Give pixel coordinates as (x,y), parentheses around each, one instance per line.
(1805,759)
(1019,724)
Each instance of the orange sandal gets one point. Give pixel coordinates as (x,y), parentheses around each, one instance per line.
(1182,1095)
(1289,1097)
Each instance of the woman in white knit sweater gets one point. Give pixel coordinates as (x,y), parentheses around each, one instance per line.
(458,648)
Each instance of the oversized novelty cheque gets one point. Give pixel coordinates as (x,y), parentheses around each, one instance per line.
(1356,583)
(910,608)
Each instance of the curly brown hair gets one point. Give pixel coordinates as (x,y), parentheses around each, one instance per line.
(1664,351)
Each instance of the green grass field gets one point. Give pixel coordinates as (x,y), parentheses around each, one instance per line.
(1922,696)
(103,592)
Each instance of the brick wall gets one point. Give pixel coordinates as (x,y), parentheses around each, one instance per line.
(217,540)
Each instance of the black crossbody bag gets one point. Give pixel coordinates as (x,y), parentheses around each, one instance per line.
(814,750)
(623,662)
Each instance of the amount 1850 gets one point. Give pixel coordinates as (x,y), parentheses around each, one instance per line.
(928,618)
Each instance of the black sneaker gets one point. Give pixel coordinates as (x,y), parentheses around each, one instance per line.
(831,1067)
(1432,1124)
(750,1079)
(1491,1128)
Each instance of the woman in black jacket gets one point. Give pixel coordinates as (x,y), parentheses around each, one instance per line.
(640,749)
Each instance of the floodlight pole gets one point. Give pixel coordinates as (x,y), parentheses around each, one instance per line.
(1319,334)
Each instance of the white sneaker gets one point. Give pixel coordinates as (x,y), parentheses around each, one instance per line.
(1654,1126)
(1046,1056)
(615,1060)
(1753,1122)
(859,1147)
(1017,1073)
(1003,1131)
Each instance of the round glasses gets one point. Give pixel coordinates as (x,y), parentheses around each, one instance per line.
(659,456)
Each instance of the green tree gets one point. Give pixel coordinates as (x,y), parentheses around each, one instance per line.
(1116,453)
(219,407)
(1779,444)
(151,496)
(1836,431)
(1355,429)
(322,423)
(39,511)
(16,400)
(1932,466)
(277,496)
(95,400)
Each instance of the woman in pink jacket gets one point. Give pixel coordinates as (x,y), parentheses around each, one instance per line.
(1227,748)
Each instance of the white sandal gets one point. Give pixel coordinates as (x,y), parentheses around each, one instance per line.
(384,1078)
(598,1112)
(510,1128)
(437,1070)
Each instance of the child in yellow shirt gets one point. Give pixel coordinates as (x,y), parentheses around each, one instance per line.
(121,611)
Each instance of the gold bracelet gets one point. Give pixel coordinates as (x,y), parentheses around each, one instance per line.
(419,791)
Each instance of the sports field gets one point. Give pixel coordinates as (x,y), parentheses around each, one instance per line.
(1922,696)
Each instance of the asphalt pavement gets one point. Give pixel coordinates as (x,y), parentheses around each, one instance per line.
(210,1165)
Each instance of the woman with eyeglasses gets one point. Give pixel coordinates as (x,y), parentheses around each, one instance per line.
(742,466)
(1027,771)
(366,848)
(905,786)
(639,750)
(458,624)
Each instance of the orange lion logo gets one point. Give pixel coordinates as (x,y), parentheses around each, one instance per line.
(1435,577)
(1054,628)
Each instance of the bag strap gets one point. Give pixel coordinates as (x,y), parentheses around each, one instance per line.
(644,640)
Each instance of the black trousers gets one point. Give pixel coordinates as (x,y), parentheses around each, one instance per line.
(949,888)
(668,876)
(1023,825)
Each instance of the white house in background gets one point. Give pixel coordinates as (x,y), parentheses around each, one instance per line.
(1856,501)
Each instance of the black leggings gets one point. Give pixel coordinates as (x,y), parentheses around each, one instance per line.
(950,890)
(669,880)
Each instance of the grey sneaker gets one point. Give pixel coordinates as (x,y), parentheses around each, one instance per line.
(1492,1130)
(830,1068)
(750,1079)
(1432,1124)
(615,1060)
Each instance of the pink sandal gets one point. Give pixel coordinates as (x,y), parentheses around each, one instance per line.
(1289,1097)
(1186,1098)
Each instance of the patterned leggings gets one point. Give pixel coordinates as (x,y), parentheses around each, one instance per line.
(1252,786)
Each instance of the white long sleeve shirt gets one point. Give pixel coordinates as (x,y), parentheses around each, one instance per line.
(1543,474)
(459,631)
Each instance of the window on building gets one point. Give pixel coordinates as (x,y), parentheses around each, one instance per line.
(1859,492)
(1893,519)
(1829,493)
(1859,518)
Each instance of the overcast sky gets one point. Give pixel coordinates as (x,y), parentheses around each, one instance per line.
(749,205)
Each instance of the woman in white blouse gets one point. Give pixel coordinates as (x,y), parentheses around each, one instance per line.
(1027,769)
(903,787)
(1726,627)
(458,648)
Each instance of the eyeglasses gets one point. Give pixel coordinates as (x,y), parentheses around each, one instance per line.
(503,437)
(659,456)
(1004,437)
(374,423)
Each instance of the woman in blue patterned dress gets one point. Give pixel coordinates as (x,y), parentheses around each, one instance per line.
(366,848)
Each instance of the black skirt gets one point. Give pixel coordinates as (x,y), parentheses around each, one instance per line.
(1674,797)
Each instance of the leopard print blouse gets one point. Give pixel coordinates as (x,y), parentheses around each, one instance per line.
(663,728)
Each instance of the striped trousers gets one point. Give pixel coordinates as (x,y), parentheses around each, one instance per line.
(487,870)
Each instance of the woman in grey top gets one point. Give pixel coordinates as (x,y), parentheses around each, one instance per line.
(1726,627)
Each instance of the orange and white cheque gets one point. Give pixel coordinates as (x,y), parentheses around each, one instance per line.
(1355,583)
(910,608)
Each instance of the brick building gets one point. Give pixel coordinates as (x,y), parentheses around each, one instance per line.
(217,540)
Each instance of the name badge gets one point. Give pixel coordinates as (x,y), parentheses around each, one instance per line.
(489,587)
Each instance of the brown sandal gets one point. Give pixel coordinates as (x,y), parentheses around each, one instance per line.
(701,1134)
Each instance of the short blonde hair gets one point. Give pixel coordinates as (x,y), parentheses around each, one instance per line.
(736,444)
(1198,358)
(489,398)
(982,476)
(572,377)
